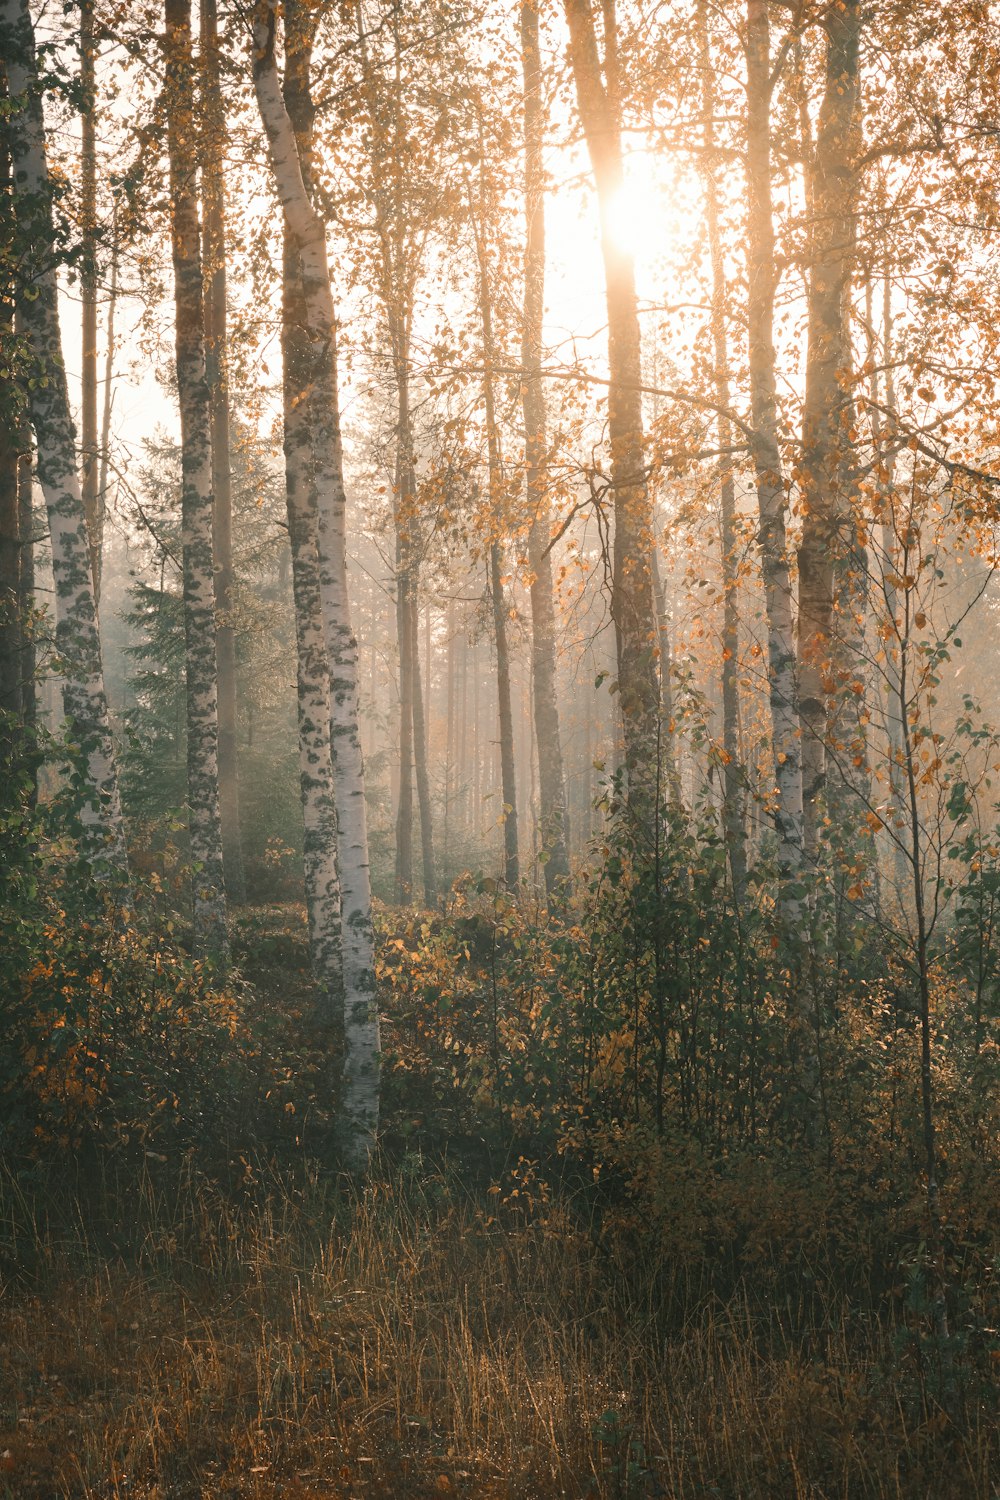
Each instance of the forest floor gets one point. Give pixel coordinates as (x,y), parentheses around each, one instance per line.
(437,1334)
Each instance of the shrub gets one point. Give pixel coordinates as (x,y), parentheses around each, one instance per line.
(112,1036)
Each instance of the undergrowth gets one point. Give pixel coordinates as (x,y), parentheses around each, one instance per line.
(594,1256)
(419,1339)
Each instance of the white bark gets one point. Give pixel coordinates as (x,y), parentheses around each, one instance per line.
(213,139)
(788,813)
(554,817)
(360,1098)
(84,699)
(319,809)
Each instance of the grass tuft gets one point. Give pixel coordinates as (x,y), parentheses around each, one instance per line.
(406,1342)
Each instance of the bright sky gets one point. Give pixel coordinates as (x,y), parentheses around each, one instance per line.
(656,218)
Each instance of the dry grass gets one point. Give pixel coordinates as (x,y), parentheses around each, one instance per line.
(409,1343)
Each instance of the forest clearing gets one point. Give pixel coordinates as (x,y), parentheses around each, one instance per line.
(499,814)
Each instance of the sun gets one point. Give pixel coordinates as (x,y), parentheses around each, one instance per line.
(654,218)
(634,224)
(654,212)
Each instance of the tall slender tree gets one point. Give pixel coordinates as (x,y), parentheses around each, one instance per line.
(553,815)
(401,199)
(316,784)
(768,471)
(498,600)
(84,698)
(774,554)
(360,1099)
(826,547)
(88,294)
(217,374)
(598,92)
(734,821)
(204,823)
(11,541)
(109,369)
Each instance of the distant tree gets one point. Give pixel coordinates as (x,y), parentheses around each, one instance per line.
(553,816)
(405,103)
(154,757)
(734,795)
(480,216)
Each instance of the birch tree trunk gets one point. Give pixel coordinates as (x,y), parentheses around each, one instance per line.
(216,372)
(109,365)
(505,716)
(316,781)
(761,279)
(360,1098)
(889,550)
(319,808)
(11,644)
(26,598)
(406,652)
(785,733)
(420,730)
(734,800)
(632,604)
(88,296)
(553,814)
(399,254)
(828,412)
(204,824)
(77,639)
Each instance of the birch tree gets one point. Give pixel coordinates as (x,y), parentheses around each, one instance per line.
(316,785)
(774,555)
(401,198)
(11,429)
(553,815)
(733,795)
(78,642)
(768,471)
(827,525)
(360,1097)
(214,137)
(498,599)
(88,294)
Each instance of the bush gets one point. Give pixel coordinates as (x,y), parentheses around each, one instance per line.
(111,1036)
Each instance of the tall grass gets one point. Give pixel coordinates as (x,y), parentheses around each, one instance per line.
(422,1339)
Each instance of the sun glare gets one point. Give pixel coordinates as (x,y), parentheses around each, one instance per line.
(652,218)
(635,216)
